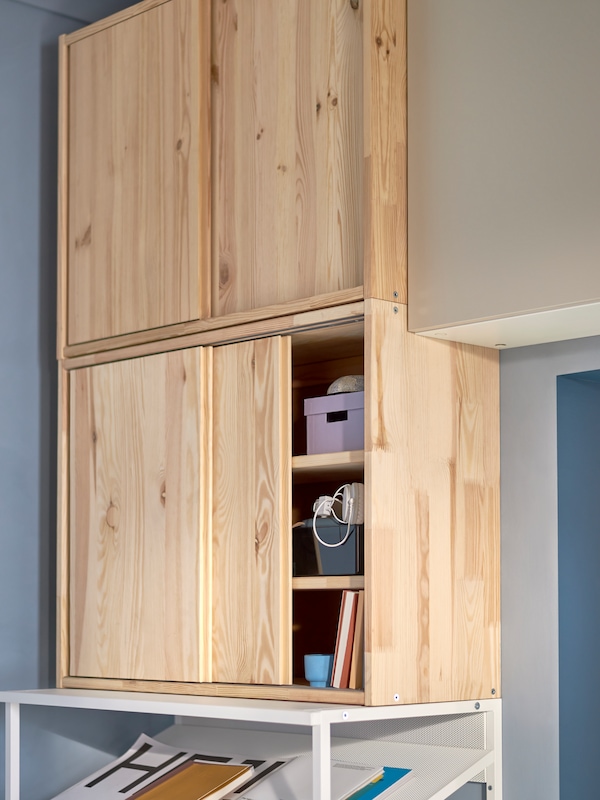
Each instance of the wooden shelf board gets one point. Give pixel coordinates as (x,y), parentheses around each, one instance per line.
(325,465)
(329,582)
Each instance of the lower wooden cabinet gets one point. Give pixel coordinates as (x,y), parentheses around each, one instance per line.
(187,471)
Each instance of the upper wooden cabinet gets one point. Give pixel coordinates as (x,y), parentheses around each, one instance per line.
(135,171)
(287,151)
(224,161)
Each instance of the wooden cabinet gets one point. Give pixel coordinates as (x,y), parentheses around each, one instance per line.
(135,171)
(223,162)
(237,437)
(305,283)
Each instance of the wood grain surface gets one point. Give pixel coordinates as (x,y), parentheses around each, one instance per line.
(138,173)
(251,530)
(385,134)
(136,600)
(432,534)
(287,151)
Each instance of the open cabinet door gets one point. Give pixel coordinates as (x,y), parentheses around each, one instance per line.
(251,526)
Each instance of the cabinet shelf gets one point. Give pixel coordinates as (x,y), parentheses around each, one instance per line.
(329,582)
(345,465)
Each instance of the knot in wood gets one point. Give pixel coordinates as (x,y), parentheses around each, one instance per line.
(224,274)
(112,516)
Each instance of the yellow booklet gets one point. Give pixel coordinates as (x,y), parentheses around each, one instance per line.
(196,780)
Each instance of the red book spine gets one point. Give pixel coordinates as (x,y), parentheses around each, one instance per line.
(345,636)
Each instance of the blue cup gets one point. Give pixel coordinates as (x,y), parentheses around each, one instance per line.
(317,669)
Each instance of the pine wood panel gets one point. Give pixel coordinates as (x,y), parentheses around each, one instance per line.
(385,134)
(325,321)
(62,198)
(432,537)
(138,173)
(62,525)
(328,582)
(264,319)
(137,603)
(287,151)
(251,538)
(295,692)
(107,22)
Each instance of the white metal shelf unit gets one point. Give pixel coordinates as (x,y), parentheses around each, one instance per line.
(349,733)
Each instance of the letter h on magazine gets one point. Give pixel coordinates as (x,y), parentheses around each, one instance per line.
(130,763)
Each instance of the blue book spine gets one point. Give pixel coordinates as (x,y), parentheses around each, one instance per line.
(391,776)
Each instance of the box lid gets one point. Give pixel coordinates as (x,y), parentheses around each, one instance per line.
(343,401)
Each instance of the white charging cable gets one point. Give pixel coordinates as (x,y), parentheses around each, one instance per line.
(329,501)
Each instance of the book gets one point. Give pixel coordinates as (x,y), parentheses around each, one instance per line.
(196,780)
(385,785)
(294,781)
(358,645)
(340,676)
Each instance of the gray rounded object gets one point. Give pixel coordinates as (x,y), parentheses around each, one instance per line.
(347,383)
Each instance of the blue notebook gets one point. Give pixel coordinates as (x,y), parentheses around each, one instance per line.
(392,779)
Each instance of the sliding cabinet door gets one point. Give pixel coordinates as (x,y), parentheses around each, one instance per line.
(251,524)
(136,500)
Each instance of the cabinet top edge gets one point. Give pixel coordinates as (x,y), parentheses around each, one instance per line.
(294,324)
(113,19)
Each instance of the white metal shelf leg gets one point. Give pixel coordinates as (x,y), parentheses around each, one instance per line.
(12,743)
(493,774)
(321,755)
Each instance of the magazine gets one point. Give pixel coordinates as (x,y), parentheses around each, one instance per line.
(295,781)
(148,762)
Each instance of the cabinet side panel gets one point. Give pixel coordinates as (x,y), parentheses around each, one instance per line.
(135,517)
(385,149)
(432,549)
(287,156)
(62,525)
(134,174)
(62,204)
(251,512)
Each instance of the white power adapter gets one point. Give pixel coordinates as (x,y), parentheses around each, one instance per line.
(323,506)
(352,499)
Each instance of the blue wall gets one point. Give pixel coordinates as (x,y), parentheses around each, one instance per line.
(530,562)
(578,427)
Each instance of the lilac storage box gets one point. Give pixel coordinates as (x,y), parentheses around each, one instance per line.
(335,423)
